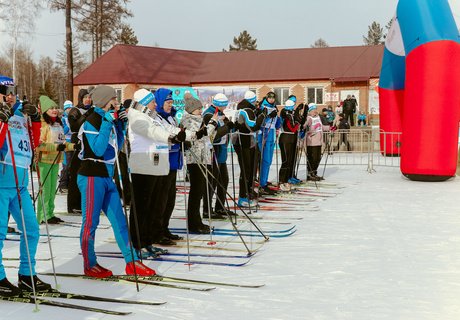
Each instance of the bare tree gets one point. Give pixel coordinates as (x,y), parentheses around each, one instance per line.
(17,15)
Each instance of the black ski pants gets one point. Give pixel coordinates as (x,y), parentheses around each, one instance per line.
(246,160)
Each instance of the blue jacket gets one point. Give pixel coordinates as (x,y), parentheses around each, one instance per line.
(23,146)
(175,153)
(98,154)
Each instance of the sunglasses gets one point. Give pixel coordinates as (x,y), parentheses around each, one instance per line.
(7,90)
(271,95)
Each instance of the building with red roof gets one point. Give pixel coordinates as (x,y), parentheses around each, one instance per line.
(321,75)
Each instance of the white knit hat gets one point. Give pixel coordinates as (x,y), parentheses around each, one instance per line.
(220,100)
(250,96)
(68,104)
(143,96)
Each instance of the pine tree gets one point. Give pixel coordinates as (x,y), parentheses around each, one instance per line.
(127,35)
(387,28)
(243,42)
(320,43)
(374,35)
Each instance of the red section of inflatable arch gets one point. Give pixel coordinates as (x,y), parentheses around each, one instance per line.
(431,112)
(390,121)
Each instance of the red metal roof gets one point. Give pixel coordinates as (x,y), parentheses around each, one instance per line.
(152,65)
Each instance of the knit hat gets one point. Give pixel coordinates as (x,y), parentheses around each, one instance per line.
(46,103)
(289,104)
(250,96)
(220,100)
(67,104)
(311,107)
(292,97)
(192,104)
(143,97)
(101,95)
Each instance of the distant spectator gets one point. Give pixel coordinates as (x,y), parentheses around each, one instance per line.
(362,119)
(349,109)
(330,116)
(344,127)
(339,108)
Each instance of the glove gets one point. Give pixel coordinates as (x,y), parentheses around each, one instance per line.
(230,125)
(32,111)
(110,116)
(5,113)
(61,147)
(201,133)
(122,115)
(29,109)
(273,114)
(179,138)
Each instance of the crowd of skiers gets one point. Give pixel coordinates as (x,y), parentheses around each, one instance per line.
(142,144)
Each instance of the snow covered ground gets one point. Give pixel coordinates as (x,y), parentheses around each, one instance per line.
(383,248)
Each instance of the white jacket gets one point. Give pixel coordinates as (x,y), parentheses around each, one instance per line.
(149,145)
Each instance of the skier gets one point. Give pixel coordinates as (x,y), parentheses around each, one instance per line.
(314,141)
(64,175)
(77,116)
(288,142)
(267,141)
(100,135)
(148,162)
(51,145)
(249,120)
(198,158)
(15,159)
(164,116)
(219,161)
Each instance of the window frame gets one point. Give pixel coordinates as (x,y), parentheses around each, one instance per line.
(316,88)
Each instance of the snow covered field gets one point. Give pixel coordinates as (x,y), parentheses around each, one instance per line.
(383,248)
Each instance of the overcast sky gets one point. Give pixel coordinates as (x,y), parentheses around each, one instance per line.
(210,25)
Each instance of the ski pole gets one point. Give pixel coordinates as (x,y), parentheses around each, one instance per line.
(231,221)
(132,210)
(40,193)
(184,172)
(126,213)
(10,142)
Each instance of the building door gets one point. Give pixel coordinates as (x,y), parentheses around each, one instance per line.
(345,93)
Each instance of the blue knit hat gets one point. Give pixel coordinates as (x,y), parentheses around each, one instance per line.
(311,107)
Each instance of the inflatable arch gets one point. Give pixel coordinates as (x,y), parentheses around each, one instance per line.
(419,81)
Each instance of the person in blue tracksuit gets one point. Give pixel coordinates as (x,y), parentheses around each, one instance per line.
(267,140)
(15,159)
(64,176)
(101,135)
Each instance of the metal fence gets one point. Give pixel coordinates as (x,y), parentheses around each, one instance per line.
(362,146)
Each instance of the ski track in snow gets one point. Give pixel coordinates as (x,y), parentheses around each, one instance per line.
(385,248)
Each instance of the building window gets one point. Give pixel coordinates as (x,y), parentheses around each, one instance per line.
(119,94)
(315,95)
(282,95)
